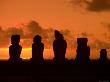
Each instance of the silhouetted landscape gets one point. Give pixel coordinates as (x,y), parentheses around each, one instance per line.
(54,40)
(59,69)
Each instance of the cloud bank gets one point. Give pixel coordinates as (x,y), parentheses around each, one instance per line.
(92,5)
(27,32)
(33,28)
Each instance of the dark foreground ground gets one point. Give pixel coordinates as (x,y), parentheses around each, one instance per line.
(49,72)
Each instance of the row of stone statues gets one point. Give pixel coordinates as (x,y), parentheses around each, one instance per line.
(59,48)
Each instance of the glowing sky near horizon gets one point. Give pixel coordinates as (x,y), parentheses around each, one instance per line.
(48,54)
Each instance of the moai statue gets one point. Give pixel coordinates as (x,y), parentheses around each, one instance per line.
(37,49)
(103,56)
(83,51)
(15,49)
(59,47)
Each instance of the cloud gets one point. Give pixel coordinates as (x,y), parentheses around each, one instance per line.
(100,44)
(34,27)
(93,5)
(13,31)
(31,29)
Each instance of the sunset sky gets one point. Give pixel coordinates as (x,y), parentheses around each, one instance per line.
(79,16)
(53,13)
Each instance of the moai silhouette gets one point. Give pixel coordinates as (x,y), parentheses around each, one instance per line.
(83,51)
(15,49)
(37,49)
(103,56)
(59,47)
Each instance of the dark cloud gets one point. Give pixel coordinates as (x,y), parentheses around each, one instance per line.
(99,5)
(13,30)
(34,28)
(93,5)
(100,44)
(96,43)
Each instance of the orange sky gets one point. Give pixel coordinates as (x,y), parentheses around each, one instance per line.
(51,13)
(56,14)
